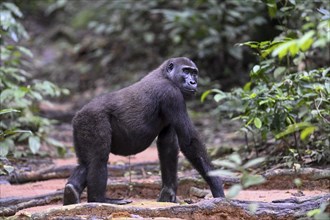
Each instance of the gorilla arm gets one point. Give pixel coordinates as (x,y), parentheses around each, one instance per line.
(189,141)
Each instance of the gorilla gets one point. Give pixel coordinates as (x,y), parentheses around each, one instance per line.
(125,122)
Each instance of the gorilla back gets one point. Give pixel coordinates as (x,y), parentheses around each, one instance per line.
(126,121)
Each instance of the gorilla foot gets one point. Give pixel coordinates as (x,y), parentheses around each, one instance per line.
(118,201)
(167,195)
(71,196)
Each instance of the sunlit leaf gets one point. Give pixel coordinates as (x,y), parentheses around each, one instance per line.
(253,207)
(206,93)
(34,144)
(26,51)
(5,145)
(306,41)
(294,49)
(307,132)
(279,71)
(8,169)
(226,163)
(272,8)
(257,122)
(297,182)
(256,68)
(251,180)
(221,173)
(219,97)
(234,191)
(283,48)
(54,142)
(293,128)
(253,95)
(13,8)
(8,110)
(247,86)
(235,157)
(254,162)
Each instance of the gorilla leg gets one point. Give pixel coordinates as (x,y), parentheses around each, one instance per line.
(75,185)
(168,150)
(92,140)
(97,176)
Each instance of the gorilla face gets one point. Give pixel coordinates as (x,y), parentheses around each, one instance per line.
(184,74)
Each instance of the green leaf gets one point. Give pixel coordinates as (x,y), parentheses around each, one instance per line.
(272,8)
(253,207)
(226,163)
(247,87)
(8,110)
(221,173)
(34,144)
(251,180)
(8,169)
(253,95)
(256,68)
(257,122)
(235,158)
(5,145)
(13,8)
(306,41)
(219,97)
(297,182)
(205,94)
(279,71)
(54,142)
(306,132)
(293,128)
(234,191)
(283,48)
(294,49)
(26,51)
(254,162)
(313,212)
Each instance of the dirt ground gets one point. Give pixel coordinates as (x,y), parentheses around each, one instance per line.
(150,155)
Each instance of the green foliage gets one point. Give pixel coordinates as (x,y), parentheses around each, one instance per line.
(288,95)
(234,163)
(20,123)
(208,30)
(205,31)
(320,213)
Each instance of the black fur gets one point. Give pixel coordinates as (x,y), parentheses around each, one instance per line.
(125,122)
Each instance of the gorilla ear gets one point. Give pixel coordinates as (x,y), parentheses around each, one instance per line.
(170,67)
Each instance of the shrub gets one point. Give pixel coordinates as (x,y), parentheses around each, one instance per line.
(20,123)
(288,95)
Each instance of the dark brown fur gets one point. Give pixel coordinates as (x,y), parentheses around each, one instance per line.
(125,122)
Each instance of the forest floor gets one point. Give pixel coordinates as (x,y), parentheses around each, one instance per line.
(143,176)
(147,156)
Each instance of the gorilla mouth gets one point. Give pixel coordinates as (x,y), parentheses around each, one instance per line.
(190,91)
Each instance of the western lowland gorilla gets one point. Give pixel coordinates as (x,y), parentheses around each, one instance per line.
(125,122)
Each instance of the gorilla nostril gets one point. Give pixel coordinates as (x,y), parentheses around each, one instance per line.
(192,82)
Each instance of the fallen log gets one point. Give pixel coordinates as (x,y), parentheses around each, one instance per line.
(276,179)
(218,208)
(9,206)
(146,190)
(61,172)
(311,178)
